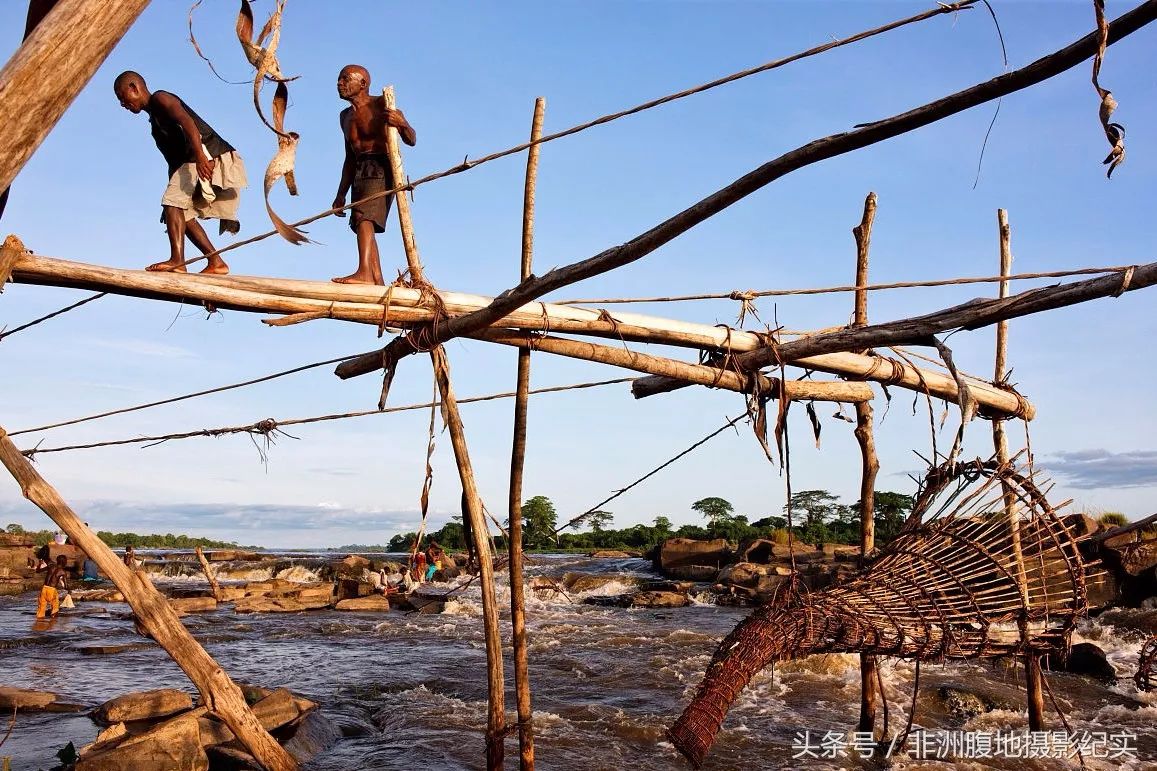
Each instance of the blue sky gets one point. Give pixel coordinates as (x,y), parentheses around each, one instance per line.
(467,76)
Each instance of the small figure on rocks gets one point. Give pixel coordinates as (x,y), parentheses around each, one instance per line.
(367,167)
(55,580)
(130,558)
(206,173)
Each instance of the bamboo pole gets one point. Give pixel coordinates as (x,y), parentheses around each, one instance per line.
(50,68)
(209,574)
(796,390)
(496,719)
(402,307)
(218,692)
(818,150)
(869,668)
(517,466)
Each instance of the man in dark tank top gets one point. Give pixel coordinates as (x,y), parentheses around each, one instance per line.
(206,173)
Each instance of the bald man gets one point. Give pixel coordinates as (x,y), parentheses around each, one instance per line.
(206,173)
(367,167)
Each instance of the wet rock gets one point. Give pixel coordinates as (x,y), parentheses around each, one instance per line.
(97,595)
(232,555)
(309,736)
(173,745)
(263,604)
(351,567)
(677,555)
(963,703)
(25,700)
(143,705)
(659,600)
(609,554)
(375,603)
(1083,659)
(106,650)
(276,709)
(193,604)
(231,593)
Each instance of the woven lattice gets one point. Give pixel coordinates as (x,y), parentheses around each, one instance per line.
(959,582)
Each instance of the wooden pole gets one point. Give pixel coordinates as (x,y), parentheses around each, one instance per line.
(496,718)
(797,390)
(517,464)
(813,152)
(209,575)
(869,674)
(46,73)
(1032,668)
(218,692)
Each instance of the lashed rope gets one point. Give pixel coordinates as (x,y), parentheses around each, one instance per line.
(264,427)
(1114,132)
(54,314)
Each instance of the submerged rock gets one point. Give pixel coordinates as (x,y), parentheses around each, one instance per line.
(23,700)
(143,705)
(375,602)
(310,735)
(193,604)
(1083,659)
(963,703)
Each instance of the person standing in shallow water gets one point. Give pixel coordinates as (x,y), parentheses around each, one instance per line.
(206,173)
(55,581)
(367,167)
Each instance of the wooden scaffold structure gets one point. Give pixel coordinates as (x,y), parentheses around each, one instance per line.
(984,567)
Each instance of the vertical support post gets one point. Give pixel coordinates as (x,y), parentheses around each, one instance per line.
(218,692)
(496,717)
(1032,668)
(517,463)
(869,675)
(209,574)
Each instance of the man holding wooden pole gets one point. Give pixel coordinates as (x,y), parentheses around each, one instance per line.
(367,167)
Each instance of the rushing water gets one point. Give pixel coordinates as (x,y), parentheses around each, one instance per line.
(409,690)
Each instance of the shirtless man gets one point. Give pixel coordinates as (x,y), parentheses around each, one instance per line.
(366,167)
(54,581)
(205,172)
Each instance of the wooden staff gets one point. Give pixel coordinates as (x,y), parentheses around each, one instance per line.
(517,464)
(869,672)
(218,692)
(46,73)
(496,718)
(209,575)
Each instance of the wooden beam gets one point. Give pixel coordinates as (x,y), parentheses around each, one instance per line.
(804,390)
(813,152)
(218,692)
(46,73)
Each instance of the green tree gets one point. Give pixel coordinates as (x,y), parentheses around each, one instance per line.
(598,520)
(662,528)
(892,509)
(539,520)
(817,507)
(716,510)
(14,529)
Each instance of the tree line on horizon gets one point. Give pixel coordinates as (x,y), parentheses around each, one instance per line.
(120,540)
(818,517)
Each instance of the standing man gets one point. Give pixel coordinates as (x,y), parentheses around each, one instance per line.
(205,172)
(54,581)
(366,167)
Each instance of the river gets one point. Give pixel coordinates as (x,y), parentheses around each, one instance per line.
(409,690)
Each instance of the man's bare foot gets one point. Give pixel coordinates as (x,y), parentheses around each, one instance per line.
(220,269)
(357,278)
(168,266)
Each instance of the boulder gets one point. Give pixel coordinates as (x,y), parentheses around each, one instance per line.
(374,602)
(224,758)
(743,574)
(1083,659)
(351,567)
(143,705)
(609,554)
(97,595)
(231,555)
(659,600)
(231,593)
(677,553)
(174,745)
(193,604)
(309,736)
(213,731)
(16,556)
(263,604)
(962,703)
(8,540)
(276,709)
(106,738)
(1081,525)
